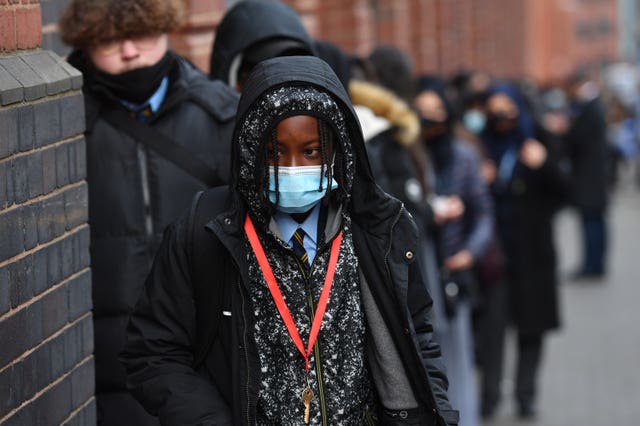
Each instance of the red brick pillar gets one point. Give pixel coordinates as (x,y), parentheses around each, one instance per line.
(424,35)
(394,24)
(20,24)
(349,24)
(455,34)
(195,40)
(46,332)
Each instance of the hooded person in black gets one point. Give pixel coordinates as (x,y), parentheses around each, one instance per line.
(373,362)
(252,31)
(131,77)
(586,144)
(528,182)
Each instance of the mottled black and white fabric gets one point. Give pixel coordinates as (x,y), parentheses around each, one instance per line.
(344,380)
(339,375)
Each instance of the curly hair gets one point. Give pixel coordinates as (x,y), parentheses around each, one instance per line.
(88,23)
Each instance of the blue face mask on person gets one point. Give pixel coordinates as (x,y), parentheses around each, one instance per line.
(474,121)
(298,188)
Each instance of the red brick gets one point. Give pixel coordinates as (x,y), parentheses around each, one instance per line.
(7,30)
(29,27)
(503,37)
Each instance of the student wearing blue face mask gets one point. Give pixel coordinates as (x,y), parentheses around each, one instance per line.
(293,296)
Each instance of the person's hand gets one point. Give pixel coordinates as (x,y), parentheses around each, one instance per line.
(448,208)
(488,171)
(556,122)
(461,260)
(533,154)
(456,207)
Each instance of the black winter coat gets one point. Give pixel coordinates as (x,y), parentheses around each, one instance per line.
(172,322)
(587,149)
(524,219)
(134,193)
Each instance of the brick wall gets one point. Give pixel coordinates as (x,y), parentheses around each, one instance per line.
(46,333)
(540,39)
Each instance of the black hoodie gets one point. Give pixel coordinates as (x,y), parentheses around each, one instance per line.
(250,22)
(171,325)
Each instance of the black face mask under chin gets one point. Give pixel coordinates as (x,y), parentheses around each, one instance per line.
(136,85)
(501,123)
(432,129)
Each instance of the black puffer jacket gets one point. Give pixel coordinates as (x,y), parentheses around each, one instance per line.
(133,195)
(187,373)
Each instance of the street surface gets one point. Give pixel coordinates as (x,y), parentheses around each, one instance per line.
(591,367)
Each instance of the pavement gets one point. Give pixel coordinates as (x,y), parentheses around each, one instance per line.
(590,374)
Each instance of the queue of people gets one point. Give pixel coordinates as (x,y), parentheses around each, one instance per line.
(308,236)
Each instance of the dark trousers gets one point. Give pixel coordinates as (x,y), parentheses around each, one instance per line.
(594,242)
(491,350)
(490,340)
(529,354)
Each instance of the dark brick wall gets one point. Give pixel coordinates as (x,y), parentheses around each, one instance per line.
(46,331)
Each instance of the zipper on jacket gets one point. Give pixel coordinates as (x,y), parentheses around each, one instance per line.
(386,255)
(146,195)
(316,346)
(368,418)
(246,355)
(316,353)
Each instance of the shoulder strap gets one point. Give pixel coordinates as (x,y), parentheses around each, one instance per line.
(163,145)
(208,282)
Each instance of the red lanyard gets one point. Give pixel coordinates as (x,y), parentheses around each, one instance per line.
(277,295)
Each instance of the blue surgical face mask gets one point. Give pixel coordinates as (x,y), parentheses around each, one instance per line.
(474,121)
(298,187)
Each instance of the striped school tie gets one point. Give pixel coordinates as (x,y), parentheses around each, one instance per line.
(299,250)
(143,114)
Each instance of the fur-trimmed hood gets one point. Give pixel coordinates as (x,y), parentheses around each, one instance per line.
(386,105)
(90,22)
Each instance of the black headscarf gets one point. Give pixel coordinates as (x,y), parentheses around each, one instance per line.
(440,148)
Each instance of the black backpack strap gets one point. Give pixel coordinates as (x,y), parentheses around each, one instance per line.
(207,276)
(163,145)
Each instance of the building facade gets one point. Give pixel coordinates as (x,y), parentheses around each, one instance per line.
(538,39)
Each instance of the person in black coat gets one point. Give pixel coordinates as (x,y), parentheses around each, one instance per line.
(528,185)
(588,153)
(212,338)
(135,191)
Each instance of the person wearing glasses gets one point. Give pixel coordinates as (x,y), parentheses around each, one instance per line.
(145,107)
